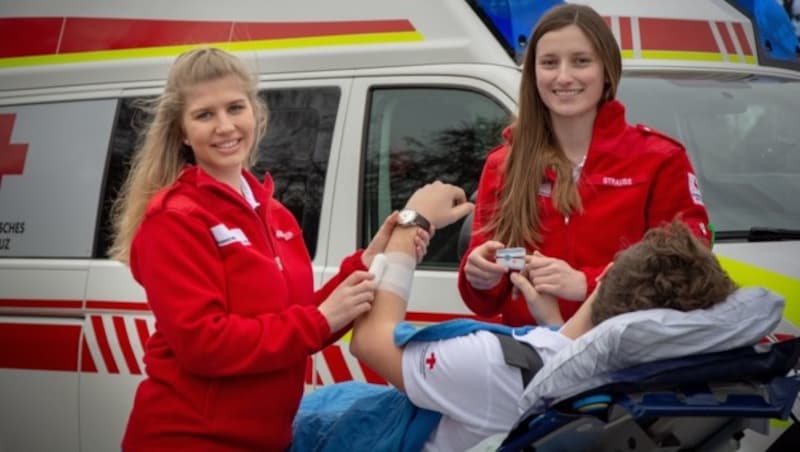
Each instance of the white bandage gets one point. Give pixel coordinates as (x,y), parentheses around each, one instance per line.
(378,266)
(398,275)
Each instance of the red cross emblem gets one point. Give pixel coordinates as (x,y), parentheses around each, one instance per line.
(12,156)
(430,361)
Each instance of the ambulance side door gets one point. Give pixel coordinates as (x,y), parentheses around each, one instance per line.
(403,132)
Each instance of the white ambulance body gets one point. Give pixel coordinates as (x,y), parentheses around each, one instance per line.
(369,100)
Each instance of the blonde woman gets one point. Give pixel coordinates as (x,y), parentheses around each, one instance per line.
(574,183)
(225,270)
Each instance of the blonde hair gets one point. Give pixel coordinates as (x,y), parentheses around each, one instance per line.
(534,147)
(162,153)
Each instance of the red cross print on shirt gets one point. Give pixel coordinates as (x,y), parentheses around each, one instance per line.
(12,156)
(430,361)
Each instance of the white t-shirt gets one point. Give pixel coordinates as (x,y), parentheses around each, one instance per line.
(467,380)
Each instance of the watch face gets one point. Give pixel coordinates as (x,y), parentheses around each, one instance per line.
(407,216)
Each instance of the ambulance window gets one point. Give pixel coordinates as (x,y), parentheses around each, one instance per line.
(742,138)
(51,170)
(130,120)
(295,151)
(418,135)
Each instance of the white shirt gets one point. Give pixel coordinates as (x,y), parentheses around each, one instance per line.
(467,380)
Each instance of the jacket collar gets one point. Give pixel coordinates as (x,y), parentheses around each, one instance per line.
(609,122)
(195,176)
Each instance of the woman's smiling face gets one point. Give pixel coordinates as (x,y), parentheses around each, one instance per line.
(569,73)
(220,126)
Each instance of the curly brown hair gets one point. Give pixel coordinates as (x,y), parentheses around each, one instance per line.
(668,268)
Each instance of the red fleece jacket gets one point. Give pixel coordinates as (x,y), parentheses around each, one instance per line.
(634,178)
(226,363)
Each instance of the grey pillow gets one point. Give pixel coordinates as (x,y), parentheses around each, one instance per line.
(651,335)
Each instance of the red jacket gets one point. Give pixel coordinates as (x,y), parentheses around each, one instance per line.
(226,363)
(634,178)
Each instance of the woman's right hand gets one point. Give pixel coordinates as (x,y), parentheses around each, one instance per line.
(481,271)
(349,300)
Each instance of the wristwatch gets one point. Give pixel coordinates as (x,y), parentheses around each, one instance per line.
(408,218)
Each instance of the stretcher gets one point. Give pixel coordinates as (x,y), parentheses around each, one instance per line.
(650,380)
(700,403)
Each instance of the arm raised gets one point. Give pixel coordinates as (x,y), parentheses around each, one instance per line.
(373,333)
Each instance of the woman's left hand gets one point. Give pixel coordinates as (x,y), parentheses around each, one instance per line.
(555,277)
(378,243)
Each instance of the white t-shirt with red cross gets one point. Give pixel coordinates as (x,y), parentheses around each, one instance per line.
(467,380)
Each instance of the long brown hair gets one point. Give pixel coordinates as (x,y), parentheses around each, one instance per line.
(668,268)
(162,153)
(534,146)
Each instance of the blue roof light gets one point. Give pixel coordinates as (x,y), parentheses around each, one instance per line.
(778,42)
(774,29)
(513,20)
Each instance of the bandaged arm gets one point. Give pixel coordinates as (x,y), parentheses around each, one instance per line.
(373,333)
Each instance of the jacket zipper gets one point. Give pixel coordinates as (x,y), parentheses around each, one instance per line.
(268,232)
(566,239)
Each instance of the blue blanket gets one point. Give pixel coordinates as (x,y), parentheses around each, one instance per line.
(362,416)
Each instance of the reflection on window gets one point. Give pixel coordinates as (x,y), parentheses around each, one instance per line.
(419,135)
(296,149)
(743,139)
(129,124)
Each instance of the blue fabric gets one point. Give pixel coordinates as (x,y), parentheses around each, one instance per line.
(361,416)
(773,25)
(406,332)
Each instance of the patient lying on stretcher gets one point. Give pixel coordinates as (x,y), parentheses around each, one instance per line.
(463,381)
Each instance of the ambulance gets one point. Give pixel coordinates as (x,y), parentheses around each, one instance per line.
(369,100)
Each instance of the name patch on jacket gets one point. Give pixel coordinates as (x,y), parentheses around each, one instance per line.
(225,236)
(617,181)
(694,189)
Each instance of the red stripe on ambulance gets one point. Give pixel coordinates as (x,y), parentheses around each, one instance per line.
(103,305)
(29,36)
(142,332)
(250,31)
(23,36)
(625,34)
(742,37)
(43,304)
(125,345)
(87,362)
(35,346)
(722,28)
(336,363)
(676,35)
(93,34)
(371,376)
(102,342)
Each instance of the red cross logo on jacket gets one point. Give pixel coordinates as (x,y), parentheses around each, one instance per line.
(12,156)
